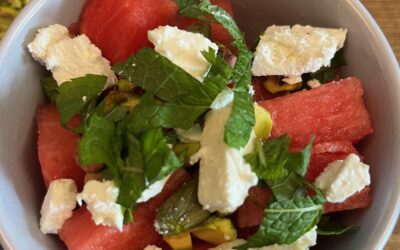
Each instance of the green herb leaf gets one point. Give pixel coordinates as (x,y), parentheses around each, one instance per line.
(101,143)
(269,161)
(133,182)
(339,59)
(285,221)
(328,227)
(298,162)
(148,114)
(190,8)
(241,120)
(159,159)
(160,77)
(50,87)
(288,187)
(76,94)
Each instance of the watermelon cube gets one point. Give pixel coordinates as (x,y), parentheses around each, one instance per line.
(251,213)
(332,112)
(119,27)
(80,232)
(57,147)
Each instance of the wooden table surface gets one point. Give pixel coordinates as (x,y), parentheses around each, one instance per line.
(387,14)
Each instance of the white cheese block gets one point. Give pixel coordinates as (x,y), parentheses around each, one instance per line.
(293,51)
(58,205)
(153,189)
(183,48)
(225,177)
(100,198)
(343,178)
(69,58)
(45,38)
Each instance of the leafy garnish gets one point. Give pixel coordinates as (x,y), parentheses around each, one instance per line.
(273,160)
(328,227)
(74,95)
(159,159)
(241,120)
(101,143)
(50,88)
(149,114)
(162,78)
(190,8)
(133,182)
(298,162)
(285,221)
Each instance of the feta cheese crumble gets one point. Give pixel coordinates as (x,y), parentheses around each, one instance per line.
(183,48)
(100,198)
(68,58)
(306,241)
(58,204)
(225,177)
(45,38)
(293,51)
(343,178)
(153,189)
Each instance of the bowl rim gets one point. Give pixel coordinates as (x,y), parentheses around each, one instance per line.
(387,53)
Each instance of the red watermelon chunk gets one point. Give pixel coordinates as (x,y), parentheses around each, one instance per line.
(119,27)
(251,213)
(360,199)
(57,147)
(80,232)
(332,112)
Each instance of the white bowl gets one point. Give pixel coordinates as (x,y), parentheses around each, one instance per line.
(369,57)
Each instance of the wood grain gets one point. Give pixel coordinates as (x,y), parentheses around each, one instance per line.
(387,15)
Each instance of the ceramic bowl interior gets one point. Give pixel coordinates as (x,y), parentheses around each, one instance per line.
(369,58)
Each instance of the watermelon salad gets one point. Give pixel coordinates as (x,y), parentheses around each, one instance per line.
(166,129)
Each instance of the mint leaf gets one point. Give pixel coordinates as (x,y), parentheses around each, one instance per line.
(133,182)
(339,59)
(76,94)
(190,8)
(241,120)
(148,114)
(285,221)
(298,162)
(329,227)
(160,77)
(288,187)
(101,143)
(159,159)
(50,88)
(269,162)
